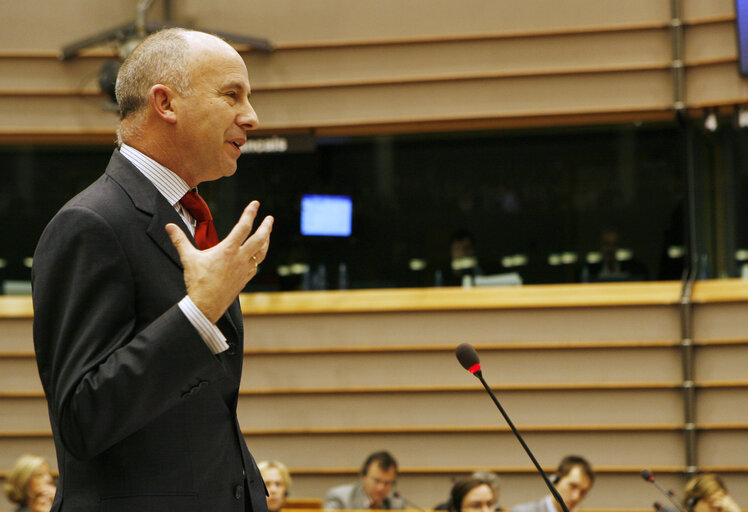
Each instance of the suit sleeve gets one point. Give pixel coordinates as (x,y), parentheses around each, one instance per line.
(104,373)
(332,503)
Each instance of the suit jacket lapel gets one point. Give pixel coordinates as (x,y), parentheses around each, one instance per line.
(146,198)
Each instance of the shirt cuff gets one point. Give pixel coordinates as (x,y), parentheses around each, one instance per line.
(209,332)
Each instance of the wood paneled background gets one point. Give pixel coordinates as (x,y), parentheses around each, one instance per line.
(591,369)
(392,65)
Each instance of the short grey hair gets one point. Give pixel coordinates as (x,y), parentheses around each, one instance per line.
(161,58)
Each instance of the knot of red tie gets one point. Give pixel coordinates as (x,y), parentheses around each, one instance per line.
(205,232)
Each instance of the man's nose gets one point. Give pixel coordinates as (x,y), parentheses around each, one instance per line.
(247,118)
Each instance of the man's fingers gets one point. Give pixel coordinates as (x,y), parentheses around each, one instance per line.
(243,228)
(260,240)
(179,239)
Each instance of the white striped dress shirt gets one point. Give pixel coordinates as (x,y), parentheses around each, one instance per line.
(172,187)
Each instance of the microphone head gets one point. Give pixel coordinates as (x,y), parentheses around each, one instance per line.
(647,475)
(468,357)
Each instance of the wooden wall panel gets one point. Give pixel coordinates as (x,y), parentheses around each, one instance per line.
(721,321)
(468,450)
(721,363)
(480,98)
(393,63)
(24,413)
(39,24)
(723,448)
(334,20)
(323,389)
(16,335)
(721,406)
(709,42)
(55,113)
(423,409)
(477,327)
(13,447)
(46,75)
(695,10)
(715,84)
(514,367)
(435,60)
(19,374)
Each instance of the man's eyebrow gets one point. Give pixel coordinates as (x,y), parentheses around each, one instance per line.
(233,85)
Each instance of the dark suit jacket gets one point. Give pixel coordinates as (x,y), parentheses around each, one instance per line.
(143,414)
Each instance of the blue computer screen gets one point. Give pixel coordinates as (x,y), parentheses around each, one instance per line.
(324,215)
(741,23)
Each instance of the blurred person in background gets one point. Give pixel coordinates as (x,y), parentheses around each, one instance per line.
(473,495)
(573,479)
(374,490)
(707,493)
(30,484)
(488,477)
(277,481)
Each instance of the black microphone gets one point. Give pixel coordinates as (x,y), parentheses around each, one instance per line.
(397,494)
(659,507)
(468,358)
(649,477)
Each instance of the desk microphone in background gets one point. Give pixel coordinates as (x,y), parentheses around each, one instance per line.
(468,358)
(397,495)
(659,507)
(648,476)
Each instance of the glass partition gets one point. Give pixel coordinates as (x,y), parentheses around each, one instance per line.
(561,205)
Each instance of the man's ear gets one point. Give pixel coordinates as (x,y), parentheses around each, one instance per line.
(161,99)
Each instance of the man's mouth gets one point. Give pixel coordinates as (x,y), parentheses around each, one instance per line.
(237,143)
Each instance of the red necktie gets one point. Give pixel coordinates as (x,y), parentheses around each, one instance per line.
(205,232)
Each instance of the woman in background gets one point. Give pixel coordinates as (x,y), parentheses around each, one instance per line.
(472,495)
(707,493)
(278,482)
(30,485)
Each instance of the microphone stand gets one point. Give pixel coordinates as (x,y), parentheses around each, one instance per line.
(649,477)
(553,490)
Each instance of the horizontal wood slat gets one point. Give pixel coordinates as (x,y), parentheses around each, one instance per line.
(23,434)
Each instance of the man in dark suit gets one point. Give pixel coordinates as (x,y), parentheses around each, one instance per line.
(138,333)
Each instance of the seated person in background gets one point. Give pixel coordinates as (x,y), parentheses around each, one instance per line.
(373,490)
(707,493)
(277,481)
(472,495)
(463,259)
(573,479)
(487,477)
(30,485)
(613,267)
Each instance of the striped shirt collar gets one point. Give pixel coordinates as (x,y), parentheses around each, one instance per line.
(171,186)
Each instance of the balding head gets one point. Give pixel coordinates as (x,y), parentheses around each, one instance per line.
(162,58)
